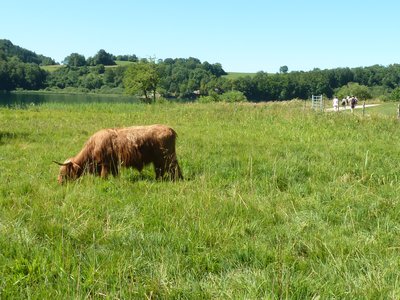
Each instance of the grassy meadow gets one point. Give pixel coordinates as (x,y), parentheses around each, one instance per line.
(278,202)
(236,75)
(53,68)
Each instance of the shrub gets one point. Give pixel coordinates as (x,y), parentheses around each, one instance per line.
(360,91)
(233,96)
(395,95)
(206,99)
(212,97)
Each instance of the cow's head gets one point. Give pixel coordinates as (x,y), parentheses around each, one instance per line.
(69,170)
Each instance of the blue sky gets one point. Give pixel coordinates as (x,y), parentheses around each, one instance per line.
(244,36)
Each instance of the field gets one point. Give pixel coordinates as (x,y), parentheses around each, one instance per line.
(235,75)
(53,68)
(278,202)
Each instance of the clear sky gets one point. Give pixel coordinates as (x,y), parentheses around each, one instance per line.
(244,36)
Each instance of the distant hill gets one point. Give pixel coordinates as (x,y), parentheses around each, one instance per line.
(8,50)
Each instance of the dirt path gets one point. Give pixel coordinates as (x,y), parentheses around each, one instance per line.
(348,107)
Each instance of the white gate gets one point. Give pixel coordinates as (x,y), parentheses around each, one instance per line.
(317,103)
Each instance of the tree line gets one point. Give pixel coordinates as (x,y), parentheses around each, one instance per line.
(368,82)
(187,77)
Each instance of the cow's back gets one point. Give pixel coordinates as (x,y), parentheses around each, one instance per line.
(145,143)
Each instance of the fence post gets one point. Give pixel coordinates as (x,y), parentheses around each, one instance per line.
(363,108)
(398,111)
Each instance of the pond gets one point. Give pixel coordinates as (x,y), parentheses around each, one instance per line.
(26,98)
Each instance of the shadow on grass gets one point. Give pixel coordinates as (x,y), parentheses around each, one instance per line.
(148,176)
(5,135)
(136,177)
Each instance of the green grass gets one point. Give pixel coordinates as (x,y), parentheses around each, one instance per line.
(123,63)
(51,68)
(277,202)
(385,108)
(235,75)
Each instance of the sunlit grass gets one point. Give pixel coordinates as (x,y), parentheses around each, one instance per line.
(51,68)
(388,109)
(235,75)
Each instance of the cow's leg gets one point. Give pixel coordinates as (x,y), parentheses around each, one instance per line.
(173,168)
(175,171)
(104,171)
(114,167)
(159,170)
(99,168)
(114,170)
(95,169)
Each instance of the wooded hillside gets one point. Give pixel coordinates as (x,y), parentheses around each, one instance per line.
(190,78)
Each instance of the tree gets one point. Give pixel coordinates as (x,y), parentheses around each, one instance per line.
(283,69)
(109,77)
(91,82)
(142,78)
(395,95)
(34,77)
(103,58)
(215,69)
(247,86)
(75,60)
(132,58)
(99,69)
(5,82)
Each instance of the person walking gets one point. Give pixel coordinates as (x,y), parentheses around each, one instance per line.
(335,103)
(344,103)
(353,102)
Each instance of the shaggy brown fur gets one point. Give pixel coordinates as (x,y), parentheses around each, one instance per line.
(134,146)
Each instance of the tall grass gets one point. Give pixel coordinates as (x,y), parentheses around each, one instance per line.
(278,202)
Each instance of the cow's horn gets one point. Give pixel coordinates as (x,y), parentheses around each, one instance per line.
(61,164)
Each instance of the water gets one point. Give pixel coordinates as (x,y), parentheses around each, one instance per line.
(24,99)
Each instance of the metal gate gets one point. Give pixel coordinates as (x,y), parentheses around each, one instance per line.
(317,103)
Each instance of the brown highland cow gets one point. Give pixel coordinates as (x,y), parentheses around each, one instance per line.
(134,146)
